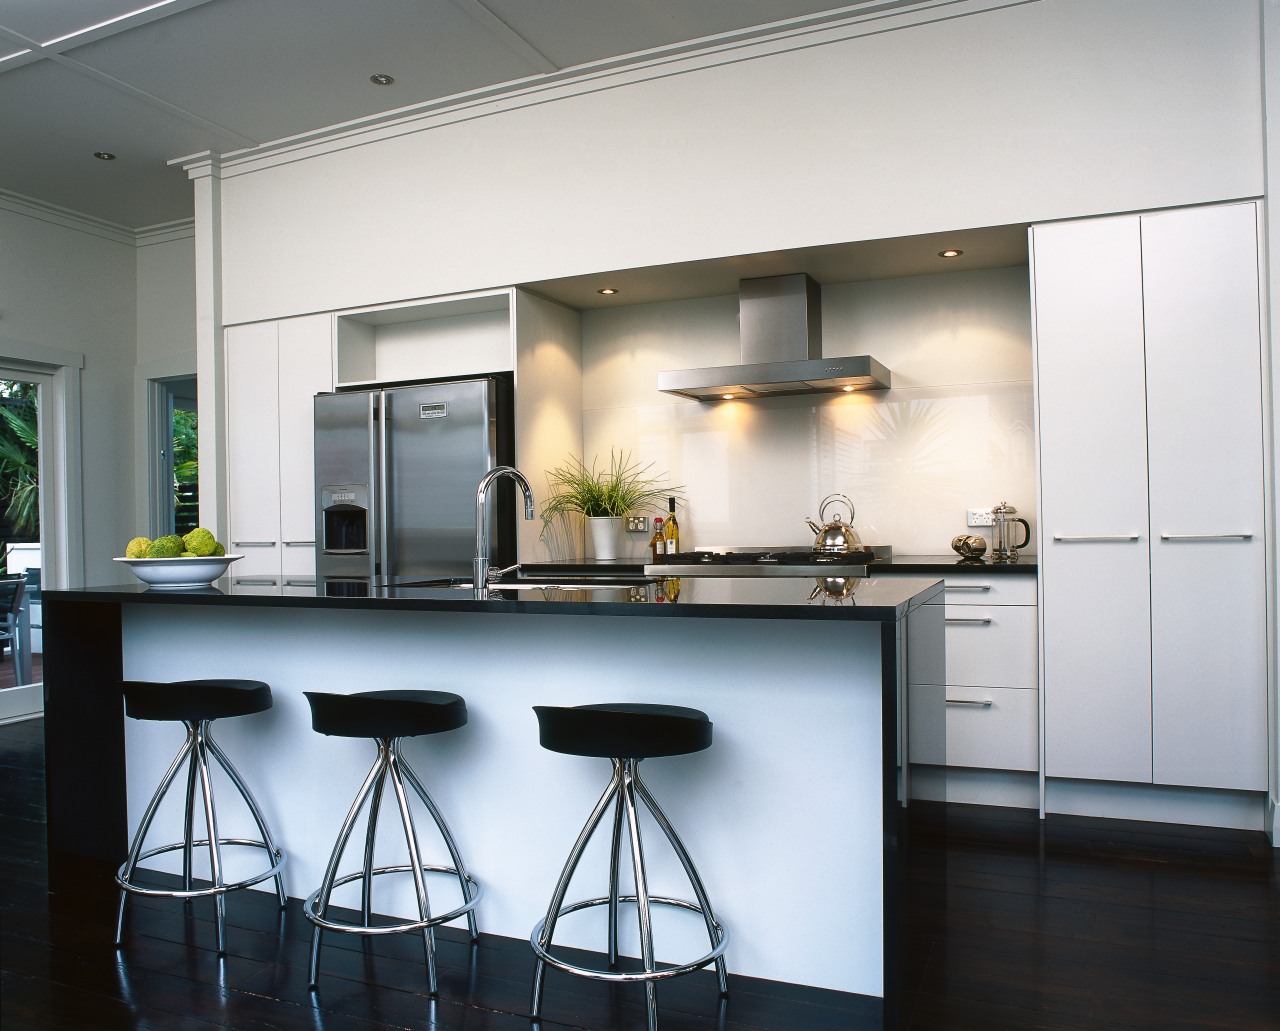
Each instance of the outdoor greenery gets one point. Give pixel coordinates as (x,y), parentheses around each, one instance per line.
(19,459)
(186,471)
(624,487)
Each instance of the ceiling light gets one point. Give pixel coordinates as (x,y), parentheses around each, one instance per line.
(950,252)
(381,80)
(104,155)
(16,53)
(608,291)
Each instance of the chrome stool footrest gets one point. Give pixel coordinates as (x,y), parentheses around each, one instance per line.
(596,974)
(475,892)
(213,889)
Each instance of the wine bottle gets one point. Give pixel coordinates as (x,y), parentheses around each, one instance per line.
(671,529)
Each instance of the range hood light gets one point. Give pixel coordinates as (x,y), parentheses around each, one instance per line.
(950,252)
(608,291)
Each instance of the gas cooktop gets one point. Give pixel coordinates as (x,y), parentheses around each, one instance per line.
(762,563)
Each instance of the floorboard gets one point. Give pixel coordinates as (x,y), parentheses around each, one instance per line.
(1067,924)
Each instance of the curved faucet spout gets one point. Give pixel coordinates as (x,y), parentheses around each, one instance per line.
(480,569)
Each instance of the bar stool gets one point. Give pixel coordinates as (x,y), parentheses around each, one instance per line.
(625,733)
(388,717)
(196,704)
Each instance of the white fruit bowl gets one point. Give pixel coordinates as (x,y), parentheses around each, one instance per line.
(179,572)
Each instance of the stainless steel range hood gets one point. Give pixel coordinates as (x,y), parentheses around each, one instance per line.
(780,326)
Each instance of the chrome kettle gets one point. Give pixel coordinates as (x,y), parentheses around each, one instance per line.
(835,537)
(1004,548)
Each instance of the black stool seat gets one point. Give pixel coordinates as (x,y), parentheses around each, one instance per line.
(194,700)
(386,714)
(623,730)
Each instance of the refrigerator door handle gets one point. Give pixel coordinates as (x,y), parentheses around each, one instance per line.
(383,558)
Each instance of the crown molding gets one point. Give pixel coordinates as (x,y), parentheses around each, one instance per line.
(166,232)
(65,217)
(870,17)
(31,207)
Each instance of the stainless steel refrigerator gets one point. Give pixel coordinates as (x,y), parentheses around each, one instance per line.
(396,476)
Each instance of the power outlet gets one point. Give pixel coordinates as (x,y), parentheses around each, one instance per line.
(640,524)
(978,517)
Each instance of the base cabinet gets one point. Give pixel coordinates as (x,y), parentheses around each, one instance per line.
(1152,524)
(987,687)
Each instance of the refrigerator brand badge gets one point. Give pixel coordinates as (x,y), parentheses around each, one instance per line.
(433,411)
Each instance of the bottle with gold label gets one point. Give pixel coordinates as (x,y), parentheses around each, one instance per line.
(671,529)
(657,543)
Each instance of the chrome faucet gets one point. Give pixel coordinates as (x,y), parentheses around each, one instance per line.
(480,568)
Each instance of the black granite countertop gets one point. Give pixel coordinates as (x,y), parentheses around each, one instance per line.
(871,599)
(932,564)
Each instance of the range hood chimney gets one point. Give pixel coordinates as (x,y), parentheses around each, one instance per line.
(780,326)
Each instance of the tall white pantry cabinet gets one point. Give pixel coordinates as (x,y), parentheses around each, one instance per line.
(1152,523)
(273,372)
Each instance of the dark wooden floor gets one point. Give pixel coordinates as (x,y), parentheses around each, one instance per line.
(1068,925)
(6,669)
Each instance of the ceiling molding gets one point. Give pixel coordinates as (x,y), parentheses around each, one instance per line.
(823,29)
(166,232)
(66,218)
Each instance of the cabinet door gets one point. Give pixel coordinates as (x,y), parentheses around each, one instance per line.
(1094,549)
(306,369)
(1204,411)
(253,448)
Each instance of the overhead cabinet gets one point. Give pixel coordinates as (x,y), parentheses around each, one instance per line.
(1152,551)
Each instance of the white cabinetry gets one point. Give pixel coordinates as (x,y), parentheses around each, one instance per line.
(273,370)
(989,688)
(1152,552)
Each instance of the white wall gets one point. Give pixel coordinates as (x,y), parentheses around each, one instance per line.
(955,432)
(71,289)
(1030,112)
(166,342)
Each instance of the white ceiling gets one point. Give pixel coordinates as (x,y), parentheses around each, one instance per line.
(185,76)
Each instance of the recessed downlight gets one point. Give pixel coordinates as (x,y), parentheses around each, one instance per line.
(381,79)
(104,155)
(608,291)
(950,252)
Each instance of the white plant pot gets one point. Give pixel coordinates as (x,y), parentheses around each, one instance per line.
(606,532)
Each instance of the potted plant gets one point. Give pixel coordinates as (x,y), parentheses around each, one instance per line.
(603,496)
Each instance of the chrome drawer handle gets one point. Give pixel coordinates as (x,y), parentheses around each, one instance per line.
(300,583)
(244,582)
(1091,538)
(985,704)
(967,619)
(299,544)
(966,587)
(253,544)
(1206,536)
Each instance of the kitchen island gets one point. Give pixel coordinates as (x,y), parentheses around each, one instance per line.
(791,815)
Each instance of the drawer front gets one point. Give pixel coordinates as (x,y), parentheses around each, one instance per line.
(988,728)
(991,645)
(977,589)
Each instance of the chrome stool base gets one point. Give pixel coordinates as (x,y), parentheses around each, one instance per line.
(621,793)
(195,752)
(391,765)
